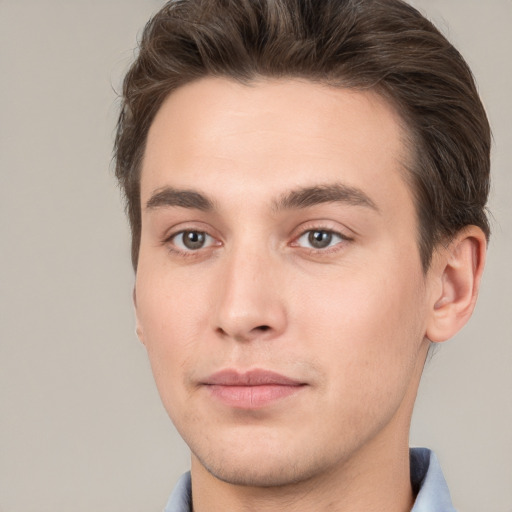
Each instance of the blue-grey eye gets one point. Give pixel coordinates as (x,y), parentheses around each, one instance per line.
(319,239)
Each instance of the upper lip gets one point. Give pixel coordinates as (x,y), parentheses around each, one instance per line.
(257,377)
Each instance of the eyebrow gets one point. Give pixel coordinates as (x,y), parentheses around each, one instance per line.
(304,197)
(169,196)
(332,193)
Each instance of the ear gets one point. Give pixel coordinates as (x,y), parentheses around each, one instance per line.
(456,273)
(138,328)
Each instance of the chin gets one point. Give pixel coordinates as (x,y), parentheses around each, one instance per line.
(260,471)
(263,459)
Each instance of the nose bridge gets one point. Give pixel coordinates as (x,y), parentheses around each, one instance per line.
(250,303)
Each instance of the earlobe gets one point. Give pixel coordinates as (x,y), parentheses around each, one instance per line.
(456,271)
(138,328)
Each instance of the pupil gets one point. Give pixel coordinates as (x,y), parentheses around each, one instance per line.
(193,239)
(320,239)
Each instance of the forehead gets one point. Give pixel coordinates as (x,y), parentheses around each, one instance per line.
(272,134)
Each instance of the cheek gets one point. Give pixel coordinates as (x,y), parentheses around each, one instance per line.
(360,304)
(171,321)
(366,329)
(167,305)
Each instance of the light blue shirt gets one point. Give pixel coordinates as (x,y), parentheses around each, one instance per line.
(426,478)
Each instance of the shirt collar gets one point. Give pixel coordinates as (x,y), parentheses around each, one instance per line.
(428,480)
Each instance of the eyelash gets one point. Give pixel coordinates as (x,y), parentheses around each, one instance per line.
(192,253)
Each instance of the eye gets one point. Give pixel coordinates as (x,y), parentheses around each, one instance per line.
(319,239)
(191,240)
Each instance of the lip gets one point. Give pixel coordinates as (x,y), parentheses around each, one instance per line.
(253,389)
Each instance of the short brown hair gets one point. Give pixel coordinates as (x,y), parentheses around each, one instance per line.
(386,45)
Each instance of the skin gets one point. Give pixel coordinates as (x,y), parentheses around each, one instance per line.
(350,321)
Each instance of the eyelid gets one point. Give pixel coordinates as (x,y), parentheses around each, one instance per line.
(323,225)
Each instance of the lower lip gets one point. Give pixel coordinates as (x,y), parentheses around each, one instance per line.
(252,397)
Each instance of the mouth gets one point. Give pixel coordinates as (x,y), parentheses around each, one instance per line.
(251,390)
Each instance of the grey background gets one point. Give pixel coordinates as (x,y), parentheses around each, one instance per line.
(81,425)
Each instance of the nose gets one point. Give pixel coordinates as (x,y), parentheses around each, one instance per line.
(250,302)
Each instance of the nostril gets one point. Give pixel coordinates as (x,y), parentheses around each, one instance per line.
(243,335)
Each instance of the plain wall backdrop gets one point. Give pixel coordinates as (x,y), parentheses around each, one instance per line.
(81,425)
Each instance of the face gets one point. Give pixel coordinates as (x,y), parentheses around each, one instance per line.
(279,290)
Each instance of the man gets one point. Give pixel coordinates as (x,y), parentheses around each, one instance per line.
(306,185)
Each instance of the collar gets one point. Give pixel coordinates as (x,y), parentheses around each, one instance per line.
(428,481)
